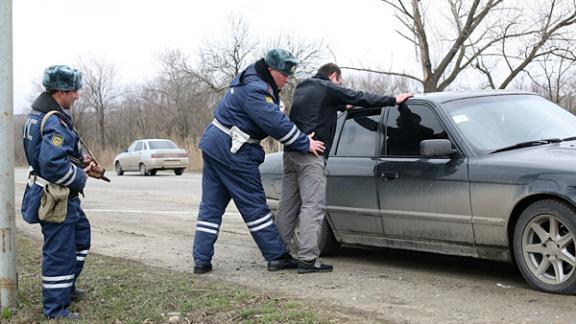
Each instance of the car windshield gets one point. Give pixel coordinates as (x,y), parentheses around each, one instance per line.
(161,145)
(497,122)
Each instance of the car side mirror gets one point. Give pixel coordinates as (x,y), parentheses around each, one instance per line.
(436,147)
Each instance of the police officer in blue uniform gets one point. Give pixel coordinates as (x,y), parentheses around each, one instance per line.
(50,142)
(248,113)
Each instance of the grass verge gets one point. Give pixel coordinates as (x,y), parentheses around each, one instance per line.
(123,291)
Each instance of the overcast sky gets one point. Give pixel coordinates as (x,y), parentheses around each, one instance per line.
(131,33)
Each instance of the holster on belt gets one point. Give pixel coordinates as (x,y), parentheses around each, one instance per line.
(54,203)
(238,139)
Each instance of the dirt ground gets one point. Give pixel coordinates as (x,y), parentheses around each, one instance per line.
(152,220)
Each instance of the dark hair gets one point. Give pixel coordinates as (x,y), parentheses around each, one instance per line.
(329,68)
(51,92)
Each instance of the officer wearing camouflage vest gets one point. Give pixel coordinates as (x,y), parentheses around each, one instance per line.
(51,196)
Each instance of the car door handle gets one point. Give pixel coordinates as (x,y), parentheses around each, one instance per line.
(389,176)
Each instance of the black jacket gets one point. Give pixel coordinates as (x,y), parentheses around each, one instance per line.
(316,104)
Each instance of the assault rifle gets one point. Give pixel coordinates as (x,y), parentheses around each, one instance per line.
(97,172)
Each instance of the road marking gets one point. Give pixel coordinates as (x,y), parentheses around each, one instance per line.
(147,211)
(134,211)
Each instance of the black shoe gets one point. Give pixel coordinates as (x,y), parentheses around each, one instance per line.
(202,268)
(313,266)
(77,295)
(286,261)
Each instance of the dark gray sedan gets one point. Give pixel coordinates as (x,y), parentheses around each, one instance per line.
(489,175)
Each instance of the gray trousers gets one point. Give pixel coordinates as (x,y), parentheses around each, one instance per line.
(302,203)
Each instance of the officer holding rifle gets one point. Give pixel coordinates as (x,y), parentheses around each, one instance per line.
(58,173)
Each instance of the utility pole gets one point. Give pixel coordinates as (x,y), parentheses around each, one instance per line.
(8,286)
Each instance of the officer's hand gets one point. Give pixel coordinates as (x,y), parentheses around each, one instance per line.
(316,147)
(93,170)
(402,97)
(87,159)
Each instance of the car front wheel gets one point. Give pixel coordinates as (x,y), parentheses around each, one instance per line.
(545,246)
(118,168)
(178,171)
(327,242)
(143,170)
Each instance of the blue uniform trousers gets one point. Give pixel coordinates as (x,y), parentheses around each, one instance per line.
(220,184)
(65,248)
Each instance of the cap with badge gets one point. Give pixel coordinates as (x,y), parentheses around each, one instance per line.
(62,78)
(281,60)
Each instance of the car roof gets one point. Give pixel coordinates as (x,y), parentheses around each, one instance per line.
(447,96)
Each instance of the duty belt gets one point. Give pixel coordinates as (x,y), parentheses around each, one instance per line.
(227,130)
(33,178)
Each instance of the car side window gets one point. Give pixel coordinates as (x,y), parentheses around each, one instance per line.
(359,134)
(407,126)
(138,147)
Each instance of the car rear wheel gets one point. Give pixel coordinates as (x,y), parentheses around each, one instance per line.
(118,168)
(545,246)
(178,171)
(153,172)
(327,242)
(143,169)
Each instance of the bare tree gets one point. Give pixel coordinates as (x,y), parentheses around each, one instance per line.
(99,92)
(480,34)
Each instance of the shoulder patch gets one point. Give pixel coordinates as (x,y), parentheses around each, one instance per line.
(57,140)
(269,99)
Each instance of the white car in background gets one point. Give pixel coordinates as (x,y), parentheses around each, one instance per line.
(150,155)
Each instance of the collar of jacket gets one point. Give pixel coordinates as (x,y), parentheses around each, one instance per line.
(321,76)
(264,74)
(45,103)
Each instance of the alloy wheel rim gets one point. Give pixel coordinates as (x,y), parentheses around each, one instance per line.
(549,249)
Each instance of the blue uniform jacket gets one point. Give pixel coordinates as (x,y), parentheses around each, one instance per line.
(48,155)
(250,105)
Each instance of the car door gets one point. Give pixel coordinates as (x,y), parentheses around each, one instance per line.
(134,155)
(421,198)
(351,198)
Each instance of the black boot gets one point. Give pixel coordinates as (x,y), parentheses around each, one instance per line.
(77,294)
(285,261)
(202,268)
(313,266)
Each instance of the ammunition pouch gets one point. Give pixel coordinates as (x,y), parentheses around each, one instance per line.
(237,135)
(54,203)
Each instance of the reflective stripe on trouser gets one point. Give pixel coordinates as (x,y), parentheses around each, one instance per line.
(58,267)
(303,202)
(219,185)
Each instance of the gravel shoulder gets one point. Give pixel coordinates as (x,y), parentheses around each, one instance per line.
(152,220)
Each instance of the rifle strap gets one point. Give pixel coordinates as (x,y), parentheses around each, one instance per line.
(45,118)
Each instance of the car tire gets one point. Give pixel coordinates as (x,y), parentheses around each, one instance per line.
(179,172)
(327,242)
(545,246)
(143,170)
(118,168)
(152,172)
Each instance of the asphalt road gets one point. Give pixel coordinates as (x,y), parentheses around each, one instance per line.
(152,220)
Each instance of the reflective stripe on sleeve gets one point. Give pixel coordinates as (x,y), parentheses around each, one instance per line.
(293,138)
(65,177)
(290,133)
